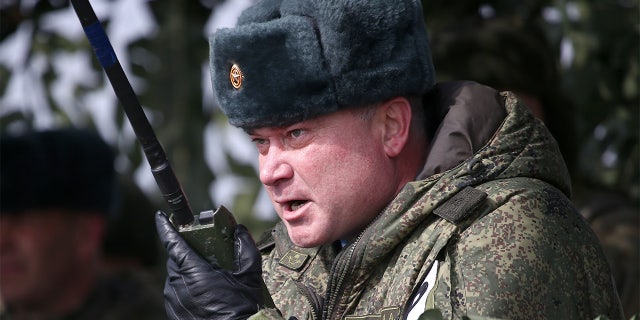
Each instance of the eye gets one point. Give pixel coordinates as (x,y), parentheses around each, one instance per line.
(296,133)
(298,138)
(259,141)
(261,144)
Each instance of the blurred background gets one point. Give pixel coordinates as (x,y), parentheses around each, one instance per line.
(577,61)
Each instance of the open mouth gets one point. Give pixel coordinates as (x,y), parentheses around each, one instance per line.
(296,204)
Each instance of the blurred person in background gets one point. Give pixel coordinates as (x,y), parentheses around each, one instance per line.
(130,244)
(58,190)
(508,55)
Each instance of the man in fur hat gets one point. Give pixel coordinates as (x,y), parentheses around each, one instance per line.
(397,196)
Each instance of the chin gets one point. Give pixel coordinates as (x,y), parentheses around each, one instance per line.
(305,243)
(306,240)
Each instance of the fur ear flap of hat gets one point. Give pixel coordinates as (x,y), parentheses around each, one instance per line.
(291,60)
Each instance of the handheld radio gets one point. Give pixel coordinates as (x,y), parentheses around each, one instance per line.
(210,233)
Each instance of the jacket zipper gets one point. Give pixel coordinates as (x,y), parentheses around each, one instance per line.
(312,297)
(340,269)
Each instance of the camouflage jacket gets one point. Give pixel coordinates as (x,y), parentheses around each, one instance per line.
(495,214)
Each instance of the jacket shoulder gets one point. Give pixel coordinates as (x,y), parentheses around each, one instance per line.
(529,254)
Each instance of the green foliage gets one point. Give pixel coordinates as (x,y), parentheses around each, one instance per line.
(594,46)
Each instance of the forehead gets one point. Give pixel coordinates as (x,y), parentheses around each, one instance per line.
(339,118)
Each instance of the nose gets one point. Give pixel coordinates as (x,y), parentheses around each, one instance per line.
(274,167)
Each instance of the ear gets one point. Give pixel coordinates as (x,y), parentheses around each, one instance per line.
(90,232)
(397,121)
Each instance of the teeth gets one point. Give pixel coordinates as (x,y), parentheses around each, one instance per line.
(296,204)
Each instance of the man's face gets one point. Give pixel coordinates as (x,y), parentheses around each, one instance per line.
(328,177)
(37,257)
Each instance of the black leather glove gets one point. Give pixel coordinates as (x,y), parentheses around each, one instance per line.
(198,289)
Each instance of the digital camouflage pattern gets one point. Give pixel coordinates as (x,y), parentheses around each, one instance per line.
(518,251)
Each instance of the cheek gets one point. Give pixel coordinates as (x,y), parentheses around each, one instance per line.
(48,247)
(346,181)
(348,169)
(29,257)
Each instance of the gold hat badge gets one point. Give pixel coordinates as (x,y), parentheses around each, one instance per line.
(236,77)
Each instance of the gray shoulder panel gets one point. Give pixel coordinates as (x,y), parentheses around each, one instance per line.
(460,205)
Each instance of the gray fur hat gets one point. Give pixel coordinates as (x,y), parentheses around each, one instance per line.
(287,61)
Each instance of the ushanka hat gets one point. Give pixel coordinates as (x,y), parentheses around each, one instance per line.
(291,60)
(62,169)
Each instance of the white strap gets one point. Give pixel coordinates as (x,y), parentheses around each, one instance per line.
(420,300)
